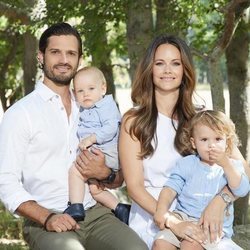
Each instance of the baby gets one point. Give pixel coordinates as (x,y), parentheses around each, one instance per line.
(99,122)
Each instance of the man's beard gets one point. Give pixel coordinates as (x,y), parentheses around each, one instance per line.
(59,79)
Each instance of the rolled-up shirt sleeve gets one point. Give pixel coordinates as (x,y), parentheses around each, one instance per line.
(176,179)
(14,141)
(244,186)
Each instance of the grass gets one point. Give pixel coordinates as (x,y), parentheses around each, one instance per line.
(10,231)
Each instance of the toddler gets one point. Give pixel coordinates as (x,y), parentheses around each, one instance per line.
(199,177)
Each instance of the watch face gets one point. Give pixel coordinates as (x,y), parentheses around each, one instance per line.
(226,197)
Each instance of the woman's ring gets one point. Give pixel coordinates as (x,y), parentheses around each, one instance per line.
(189,233)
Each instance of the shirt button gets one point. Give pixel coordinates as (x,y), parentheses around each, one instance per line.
(70,152)
(62,108)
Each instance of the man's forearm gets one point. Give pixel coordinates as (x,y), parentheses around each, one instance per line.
(33,211)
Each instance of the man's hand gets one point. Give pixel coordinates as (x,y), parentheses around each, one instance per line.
(91,165)
(61,223)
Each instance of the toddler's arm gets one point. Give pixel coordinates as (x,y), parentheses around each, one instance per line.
(220,157)
(165,200)
(234,172)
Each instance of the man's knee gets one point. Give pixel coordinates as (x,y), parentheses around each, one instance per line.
(39,239)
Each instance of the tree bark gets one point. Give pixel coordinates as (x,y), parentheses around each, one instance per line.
(139,30)
(29,62)
(238,83)
(216,84)
(12,40)
(233,13)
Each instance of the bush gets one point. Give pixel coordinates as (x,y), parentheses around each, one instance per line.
(10,231)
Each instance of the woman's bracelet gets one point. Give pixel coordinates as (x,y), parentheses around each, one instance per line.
(47,219)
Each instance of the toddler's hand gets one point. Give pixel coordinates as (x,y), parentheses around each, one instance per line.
(159,219)
(218,155)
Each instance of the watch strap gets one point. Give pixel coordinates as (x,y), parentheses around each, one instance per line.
(110,179)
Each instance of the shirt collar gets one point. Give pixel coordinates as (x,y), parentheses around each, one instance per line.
(106,99)
(103,101)
(46,93)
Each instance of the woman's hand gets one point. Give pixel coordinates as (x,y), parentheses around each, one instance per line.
(212,218)
(186,230)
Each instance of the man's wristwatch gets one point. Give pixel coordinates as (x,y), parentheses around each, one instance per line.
(226,198)
(110,179)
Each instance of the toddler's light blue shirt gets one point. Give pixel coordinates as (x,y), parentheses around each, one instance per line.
(197,184)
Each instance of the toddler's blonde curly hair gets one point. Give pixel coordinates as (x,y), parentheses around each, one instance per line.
(217,121)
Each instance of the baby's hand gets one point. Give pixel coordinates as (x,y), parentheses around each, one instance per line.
(87,142)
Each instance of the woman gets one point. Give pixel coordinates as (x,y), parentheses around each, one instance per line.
(150,137)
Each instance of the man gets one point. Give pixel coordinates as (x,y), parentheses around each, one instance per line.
(37,146)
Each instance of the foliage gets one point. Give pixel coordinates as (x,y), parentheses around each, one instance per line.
(10,227)
(206,24)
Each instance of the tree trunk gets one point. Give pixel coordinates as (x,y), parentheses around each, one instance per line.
(216,84)
(238,83)
(29,62)
(12,40)
(233,14)
(99,48)
(139,30)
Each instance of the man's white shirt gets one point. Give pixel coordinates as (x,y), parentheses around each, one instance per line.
(38,144)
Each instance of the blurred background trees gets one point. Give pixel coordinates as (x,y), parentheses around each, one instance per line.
(116,34)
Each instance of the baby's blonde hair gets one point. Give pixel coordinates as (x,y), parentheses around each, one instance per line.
(96,71)
(215,120)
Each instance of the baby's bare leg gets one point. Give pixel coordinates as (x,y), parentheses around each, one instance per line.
(76,185)
(103,196)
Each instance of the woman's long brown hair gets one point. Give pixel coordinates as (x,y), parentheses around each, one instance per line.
(144,115)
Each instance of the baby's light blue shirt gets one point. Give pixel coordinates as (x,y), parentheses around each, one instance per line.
(102,119)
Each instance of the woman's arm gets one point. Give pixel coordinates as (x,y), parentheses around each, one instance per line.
(129,149)
(236,154)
